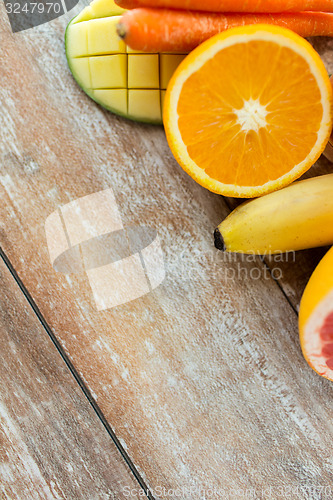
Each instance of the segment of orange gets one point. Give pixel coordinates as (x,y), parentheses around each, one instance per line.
(316,318)
(249,110)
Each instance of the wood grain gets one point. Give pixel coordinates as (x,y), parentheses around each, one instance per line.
(53,445)
(202,380)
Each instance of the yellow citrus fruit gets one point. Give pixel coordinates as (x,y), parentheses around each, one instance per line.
(249,110)
(316,318)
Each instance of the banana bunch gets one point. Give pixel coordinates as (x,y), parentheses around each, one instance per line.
(294,218)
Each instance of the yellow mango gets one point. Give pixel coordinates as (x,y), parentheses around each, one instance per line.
(143,71)
(98,9)
(108,72)
(101,37)
(113,98)
(145,103)
(168,65)
(80,67)
(124,81)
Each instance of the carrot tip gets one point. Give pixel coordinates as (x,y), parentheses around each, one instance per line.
(121,30)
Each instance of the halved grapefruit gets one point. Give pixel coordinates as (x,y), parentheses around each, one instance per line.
(316,318)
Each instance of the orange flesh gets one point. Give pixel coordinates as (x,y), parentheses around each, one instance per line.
(210,124)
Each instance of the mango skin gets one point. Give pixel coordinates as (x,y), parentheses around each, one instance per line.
(129,83)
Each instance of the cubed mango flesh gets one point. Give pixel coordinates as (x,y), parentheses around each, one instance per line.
(98,9)
(127,82)
(143,71)
(108,72)
(114,99)
(102,38)
(145,103)
(168,65)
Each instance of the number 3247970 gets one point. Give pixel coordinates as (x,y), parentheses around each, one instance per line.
(33,7)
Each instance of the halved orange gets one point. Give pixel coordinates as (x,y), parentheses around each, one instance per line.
(249,110)
(316,318)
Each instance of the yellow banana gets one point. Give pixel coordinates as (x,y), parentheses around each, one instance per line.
(297,217)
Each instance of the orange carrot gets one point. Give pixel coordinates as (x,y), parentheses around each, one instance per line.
(164,30)
(233,5)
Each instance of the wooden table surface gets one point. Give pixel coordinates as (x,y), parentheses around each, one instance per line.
(195,390)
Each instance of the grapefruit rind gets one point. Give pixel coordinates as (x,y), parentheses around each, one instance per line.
(203,53)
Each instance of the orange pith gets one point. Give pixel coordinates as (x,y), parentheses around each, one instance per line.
(250,111)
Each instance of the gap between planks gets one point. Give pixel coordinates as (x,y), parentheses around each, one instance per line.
(76,376)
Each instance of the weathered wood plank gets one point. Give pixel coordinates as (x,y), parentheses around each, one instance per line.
(202,380)
(53,445)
